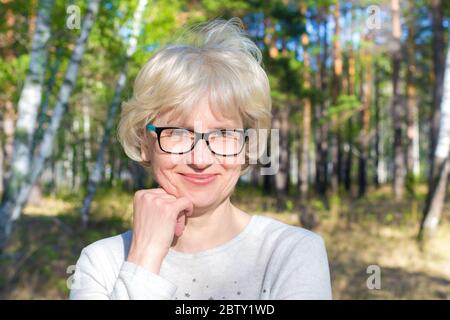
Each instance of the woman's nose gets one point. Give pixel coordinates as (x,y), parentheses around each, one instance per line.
(201,155)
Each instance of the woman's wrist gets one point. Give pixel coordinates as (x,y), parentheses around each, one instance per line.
(148,259)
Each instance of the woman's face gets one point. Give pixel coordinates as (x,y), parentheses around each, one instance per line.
(170,170)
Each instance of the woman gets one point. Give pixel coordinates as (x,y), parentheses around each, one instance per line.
(185,121)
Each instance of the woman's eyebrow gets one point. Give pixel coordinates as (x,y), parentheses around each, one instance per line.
(213,128)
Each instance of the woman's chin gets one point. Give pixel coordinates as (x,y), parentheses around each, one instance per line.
(202,203)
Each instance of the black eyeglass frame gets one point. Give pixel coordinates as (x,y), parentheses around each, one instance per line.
(198,136)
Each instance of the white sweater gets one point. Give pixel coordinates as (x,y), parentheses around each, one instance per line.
(267,260)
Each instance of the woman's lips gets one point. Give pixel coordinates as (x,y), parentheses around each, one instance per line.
(199,179)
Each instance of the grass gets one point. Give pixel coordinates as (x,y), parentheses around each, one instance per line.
(375,230)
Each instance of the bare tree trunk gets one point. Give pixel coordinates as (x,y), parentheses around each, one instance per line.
(28,105)
(365,121)
(281,178)
(321,112)
(304,161)
(255,177)
(86,155)
(306,125)
(438,181)
(335,91)
(95,176)
(42,118)
(307,217)
(438,71)
(351,92)
(376,178)
(8,129)
(397,112)
(412,153)
(10,210)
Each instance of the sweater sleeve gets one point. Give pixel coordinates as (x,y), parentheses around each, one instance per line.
(304,272)
(133,282)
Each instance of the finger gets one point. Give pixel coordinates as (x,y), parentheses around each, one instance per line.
(166,197)
(179,227)
(159,190)
(142,192)
(163,191)
(183,206)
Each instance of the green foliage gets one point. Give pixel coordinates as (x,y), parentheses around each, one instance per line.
(411,184)
(12,76)
(289,205)
(346,106)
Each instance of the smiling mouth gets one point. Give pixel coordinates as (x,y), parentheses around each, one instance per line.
(199,179)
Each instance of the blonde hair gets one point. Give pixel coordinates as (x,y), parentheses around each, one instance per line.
(216,59)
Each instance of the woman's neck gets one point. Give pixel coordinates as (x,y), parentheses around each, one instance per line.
(207,229)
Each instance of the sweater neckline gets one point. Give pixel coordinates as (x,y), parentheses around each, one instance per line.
(224,246)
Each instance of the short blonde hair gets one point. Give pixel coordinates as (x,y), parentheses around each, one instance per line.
(215,59)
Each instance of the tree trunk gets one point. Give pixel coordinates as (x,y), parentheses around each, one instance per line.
(397,112)
(438,71)
(255,177)
(42,118)
(28,105)
(335,91)
(86,155)
(350,92)
(306,124)
(437,183)
(8,130)
(10,210)
(95,176)
(365,122)
(281,177)
(321,133)
(376,178)
(412,153)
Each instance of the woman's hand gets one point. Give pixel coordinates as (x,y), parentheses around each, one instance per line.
(157,217)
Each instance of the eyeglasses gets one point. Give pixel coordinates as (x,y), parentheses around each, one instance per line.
(222,142)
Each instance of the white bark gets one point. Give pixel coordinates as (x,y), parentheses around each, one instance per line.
(86,131)
(41,117)
(416,149)
(11,210)
(29,101)
(96,176)
(441,163)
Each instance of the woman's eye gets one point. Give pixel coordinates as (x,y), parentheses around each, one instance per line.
(227,133)
(179,132)
(175,133)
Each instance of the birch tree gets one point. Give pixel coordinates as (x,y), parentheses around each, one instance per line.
(29,101)
(397,108)
(10,209)
(412,133)
(96,175)
(438,180)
